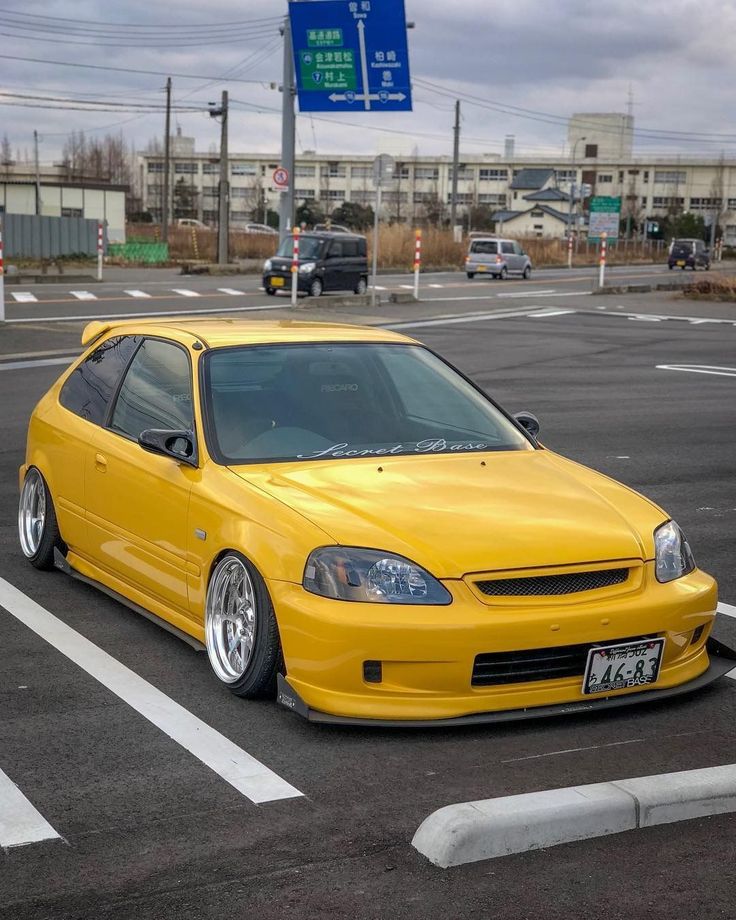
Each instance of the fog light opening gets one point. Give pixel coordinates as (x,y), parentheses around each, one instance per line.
(697,633)
(372,672)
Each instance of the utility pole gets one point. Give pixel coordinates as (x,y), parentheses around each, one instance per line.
(455,167)
(167,167)
(38,173)
(288,131)
(223,220)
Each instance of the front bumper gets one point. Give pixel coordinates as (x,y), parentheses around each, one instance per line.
(427,653)
(303,281)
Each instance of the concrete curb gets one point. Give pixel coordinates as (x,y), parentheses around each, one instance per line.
(472,831)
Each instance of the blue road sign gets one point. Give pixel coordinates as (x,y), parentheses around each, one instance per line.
(351,55)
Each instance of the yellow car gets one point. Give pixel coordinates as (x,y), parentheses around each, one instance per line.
(341,518)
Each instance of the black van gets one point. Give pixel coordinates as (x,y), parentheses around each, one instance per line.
(327,262)
(688,254)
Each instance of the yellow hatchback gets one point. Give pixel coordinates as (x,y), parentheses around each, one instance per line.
(344,520)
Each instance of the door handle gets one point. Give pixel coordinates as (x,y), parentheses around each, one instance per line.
(100,463)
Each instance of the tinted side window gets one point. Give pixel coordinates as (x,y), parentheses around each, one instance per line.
(336,249)
(517,249)
(507,247)
(156,392)
(350,248)
(88,390)
(362,248)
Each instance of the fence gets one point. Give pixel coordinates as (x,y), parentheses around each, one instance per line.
(30,236)
(143,252)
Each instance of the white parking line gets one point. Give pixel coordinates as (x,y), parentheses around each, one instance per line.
(83,295)
(139,295)
(248,775)
(185,292)
(526,293)
(153,314)
(231,291)
(451,321)
(20,822)
(46,362)
(24,297)
(552,313)
(727,610)
(699,369)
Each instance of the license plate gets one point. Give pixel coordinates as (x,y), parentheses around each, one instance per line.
(623,667)
(277,282)
(680,263)
(481,268)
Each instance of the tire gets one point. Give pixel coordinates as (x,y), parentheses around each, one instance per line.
(38,529)
(361,287)
(670,267)
(503,274)
(316,288)
(238,606)
(470,275)
(271,292)
(527,273)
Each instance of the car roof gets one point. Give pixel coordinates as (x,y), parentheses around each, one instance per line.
(332,234)
(221,333)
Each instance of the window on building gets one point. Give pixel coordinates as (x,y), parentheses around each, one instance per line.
(461,197)
(211,217)
(211,169)
(659,201)
(242,192)
(361,172)
(730,234)
(155,167)
(539,226)
(427,172)
(336,194)
(403,172)
(72,212)
(243,169)
(732,204)
(186,169)
(671,176)
(537,212)
(302,193)
(464,173)
(210,191)
(620,175)
(706,204)
(423,197)
(304,172)
(363,196)
(498,200)
(646,175)
(240,216)
(334,171)
(154,191)
(567,175)
(493,175)
(605,178)
(591,151)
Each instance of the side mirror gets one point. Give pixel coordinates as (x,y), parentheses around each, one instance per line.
(179,445)
(529,422)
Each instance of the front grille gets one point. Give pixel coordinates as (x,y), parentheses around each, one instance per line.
(536,663)
(540,585)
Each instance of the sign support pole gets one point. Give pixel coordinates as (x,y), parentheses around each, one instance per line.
(602,269)
(569,248)
(417,262)
(2,279)
(288,131)
(295,268)
(375,245)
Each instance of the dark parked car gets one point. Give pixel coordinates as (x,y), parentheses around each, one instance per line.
(327,262)
(688,254)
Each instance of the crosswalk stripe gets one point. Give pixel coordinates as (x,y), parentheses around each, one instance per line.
(408,287)
(20,822)
(435,285)
(230,291)
(138,294)
(379,288)
(83,295)
(185,293)
(24,297)
(249,776)
(552,313)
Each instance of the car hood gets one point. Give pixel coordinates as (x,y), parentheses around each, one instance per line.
(455,515)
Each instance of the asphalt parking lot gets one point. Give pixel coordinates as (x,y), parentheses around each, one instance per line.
(148,831)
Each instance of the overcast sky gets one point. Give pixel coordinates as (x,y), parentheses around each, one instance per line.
(552,58)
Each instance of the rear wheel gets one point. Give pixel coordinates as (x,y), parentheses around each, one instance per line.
(271,292)
(362,286)
(527,273)
(503,274)
(470,275)
(241,632)
(316,288)
(670,267)
(38,529)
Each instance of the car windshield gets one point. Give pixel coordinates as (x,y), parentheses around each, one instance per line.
(486,247)
(336,401)
(309,247)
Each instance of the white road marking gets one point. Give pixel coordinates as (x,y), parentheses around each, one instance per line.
(379,288)
(140,295)
(526,293)
(24,297)
(645,319)
(727,610)
(407,287)
(699,369)
(248,775)
(83,295)
(592,747)
(231,291)
(153,314)
(46,362)
(552,313)
(20,822)
(451,321)
(435,285)
(185,292)
(688,319)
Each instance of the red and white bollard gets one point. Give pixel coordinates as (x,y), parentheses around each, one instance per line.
(569,251)
(100,249)
(295,267)
(2,279)
(602,269)
(417,262)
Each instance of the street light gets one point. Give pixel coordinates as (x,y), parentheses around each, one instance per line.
(573,185)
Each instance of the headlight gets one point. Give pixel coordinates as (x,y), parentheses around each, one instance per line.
(350,574)
(307,267)
(267,265)
(673,555)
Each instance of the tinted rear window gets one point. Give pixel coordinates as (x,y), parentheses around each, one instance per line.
(484,247)
(88,390)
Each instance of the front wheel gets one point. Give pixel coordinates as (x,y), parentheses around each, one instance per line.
(38,529)
(470,275)
(670,267)
(271,292)
(503,274)
(241,632)
(362,286)
(527,273)
(316,288)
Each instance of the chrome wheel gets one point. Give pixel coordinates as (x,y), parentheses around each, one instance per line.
(231,620)
(32,513)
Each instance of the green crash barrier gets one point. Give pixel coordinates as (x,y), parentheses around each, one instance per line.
(139,251)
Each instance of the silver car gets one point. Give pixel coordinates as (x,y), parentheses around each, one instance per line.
(497,257)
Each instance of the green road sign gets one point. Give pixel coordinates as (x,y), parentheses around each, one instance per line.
(324,38)
(605,216)
(326,70)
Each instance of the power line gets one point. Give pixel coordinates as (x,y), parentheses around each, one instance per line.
(135,42)
(168,26)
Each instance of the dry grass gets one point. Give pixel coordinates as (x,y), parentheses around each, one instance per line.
(396,247)
(723,289)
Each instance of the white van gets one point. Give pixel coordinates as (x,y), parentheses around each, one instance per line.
(489,255)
